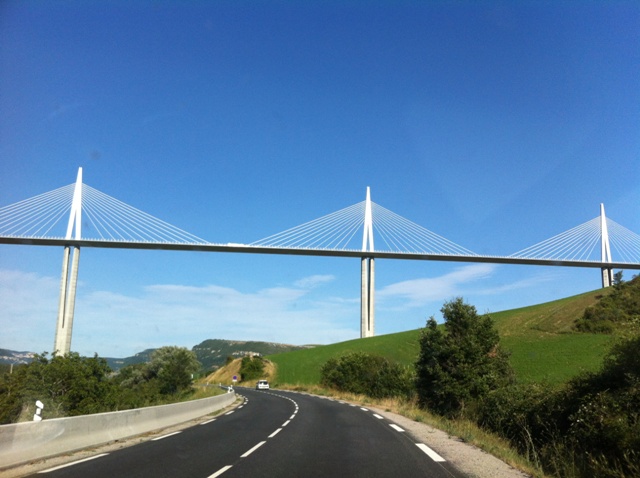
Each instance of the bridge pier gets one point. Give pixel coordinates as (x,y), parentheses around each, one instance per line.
(367,298)
(605,249)
(67,302)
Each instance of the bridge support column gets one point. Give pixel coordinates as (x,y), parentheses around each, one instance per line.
(605,250)
(367,298)
(67,302)
(607,277)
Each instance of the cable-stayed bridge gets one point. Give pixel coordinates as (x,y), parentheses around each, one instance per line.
(78,215)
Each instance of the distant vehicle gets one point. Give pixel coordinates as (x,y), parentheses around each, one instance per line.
(262,385)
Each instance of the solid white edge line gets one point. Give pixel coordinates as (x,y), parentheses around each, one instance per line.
(378,416)
(396,427)
(275,433)
(72,463)
(432,454)
(220,471)
(165,436)
(247,453)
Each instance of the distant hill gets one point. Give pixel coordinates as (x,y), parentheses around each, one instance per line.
(211,353)
(141,357)
(16,358)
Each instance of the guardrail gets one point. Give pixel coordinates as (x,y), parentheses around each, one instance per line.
(27,441)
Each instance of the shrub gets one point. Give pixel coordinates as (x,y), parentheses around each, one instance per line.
(367,374)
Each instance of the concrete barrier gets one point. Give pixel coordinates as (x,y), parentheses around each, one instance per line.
(27,441)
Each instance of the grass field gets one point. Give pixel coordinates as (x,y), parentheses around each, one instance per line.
(542,345)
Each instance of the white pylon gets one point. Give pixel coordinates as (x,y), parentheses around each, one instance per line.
(367,290)
(68,282)
(605,249)
(367,237)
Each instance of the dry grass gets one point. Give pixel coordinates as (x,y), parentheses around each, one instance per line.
(224,375)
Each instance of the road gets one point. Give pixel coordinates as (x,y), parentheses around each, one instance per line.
(274,434)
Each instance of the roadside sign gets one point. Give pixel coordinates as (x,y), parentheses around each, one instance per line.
(235,378)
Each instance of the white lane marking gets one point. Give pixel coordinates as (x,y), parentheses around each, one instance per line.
(378,416)
(286,423)
(165,436)
(247,453)
(292,417)
(432,454)
(362,408)
(73,463)
(351,405)
(208,421)
(220,471)
(275,433)
(396,427)
(229,413)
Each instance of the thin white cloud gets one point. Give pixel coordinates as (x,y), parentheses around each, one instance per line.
(417,292)
(314,281)
(119,325)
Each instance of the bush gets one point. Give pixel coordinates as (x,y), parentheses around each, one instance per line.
(251,368)
(367,374)
(620,307)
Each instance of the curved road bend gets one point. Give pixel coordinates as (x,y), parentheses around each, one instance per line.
(274,434)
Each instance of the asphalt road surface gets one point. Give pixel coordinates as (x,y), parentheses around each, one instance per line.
(275,434)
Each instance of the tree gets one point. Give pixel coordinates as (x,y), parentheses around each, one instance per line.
(251,368)
(68,385)
(173,367)
(459,365)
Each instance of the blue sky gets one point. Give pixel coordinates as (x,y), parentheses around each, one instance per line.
(494,124)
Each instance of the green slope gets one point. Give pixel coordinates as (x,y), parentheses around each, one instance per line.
(539,337)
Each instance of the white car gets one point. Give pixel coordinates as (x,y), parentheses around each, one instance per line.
(262,385)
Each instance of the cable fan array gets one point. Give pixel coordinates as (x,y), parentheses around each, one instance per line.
(337,231)
(104,218)
(581,243)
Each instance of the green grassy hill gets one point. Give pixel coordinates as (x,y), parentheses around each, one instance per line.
(540,339)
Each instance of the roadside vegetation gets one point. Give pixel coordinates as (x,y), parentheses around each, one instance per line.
(558,398)
(71,385)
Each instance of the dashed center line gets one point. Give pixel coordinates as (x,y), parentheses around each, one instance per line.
(220,471)
(247,453)
(275,433)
